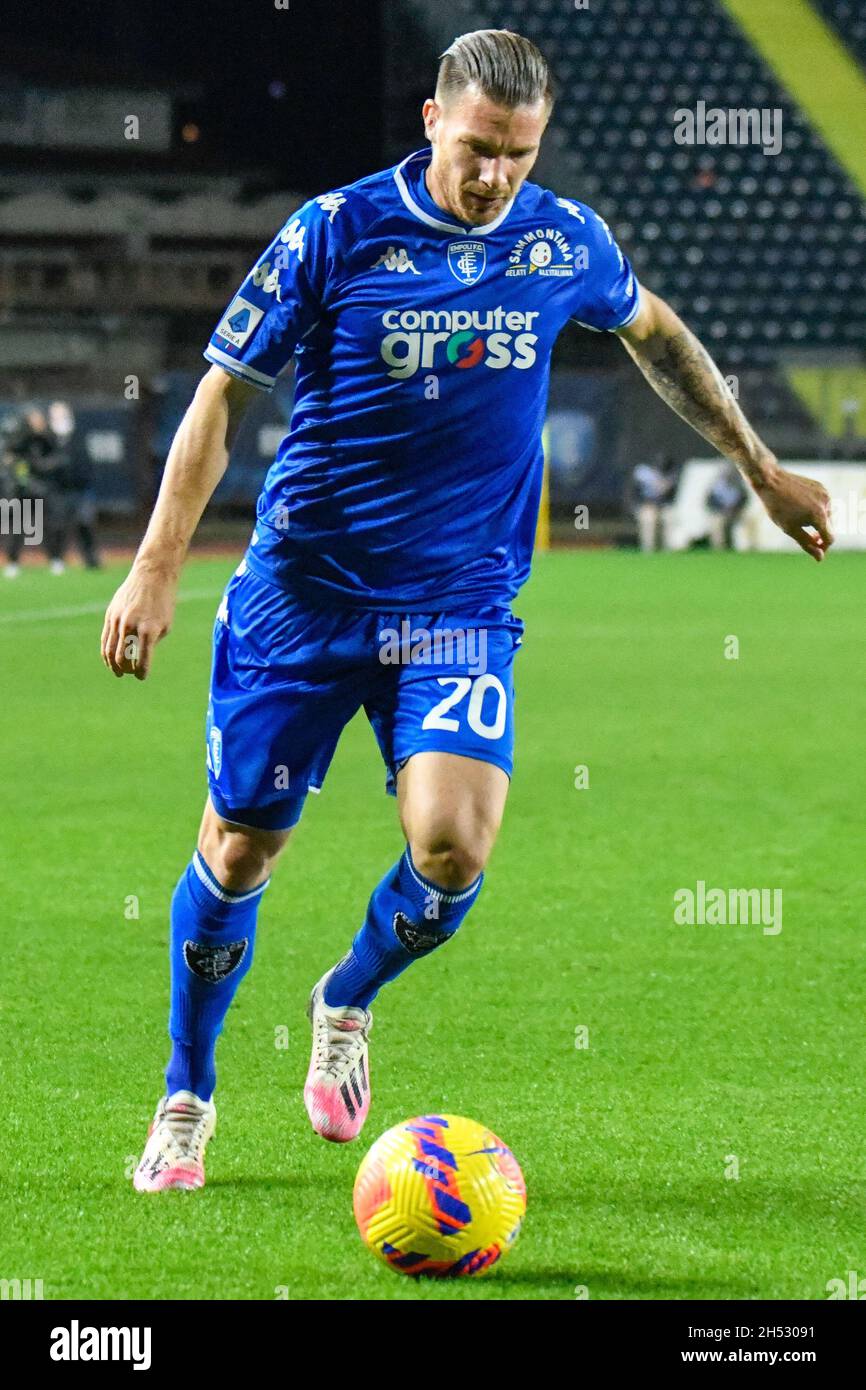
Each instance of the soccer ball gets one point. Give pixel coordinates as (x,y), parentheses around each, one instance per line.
(439,1195)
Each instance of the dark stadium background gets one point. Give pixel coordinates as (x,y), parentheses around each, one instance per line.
(117,256)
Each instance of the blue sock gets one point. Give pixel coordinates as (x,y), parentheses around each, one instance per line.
(212,936)
(407,917)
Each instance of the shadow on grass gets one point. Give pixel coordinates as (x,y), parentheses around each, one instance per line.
(292,1181)
(814,1200)
(256,1182)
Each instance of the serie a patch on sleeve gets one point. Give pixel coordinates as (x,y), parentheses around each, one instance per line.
(239,321)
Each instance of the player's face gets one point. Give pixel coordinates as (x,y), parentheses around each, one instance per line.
(482,152)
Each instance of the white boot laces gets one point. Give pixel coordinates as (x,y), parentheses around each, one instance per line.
(187,1129)
(336,1050)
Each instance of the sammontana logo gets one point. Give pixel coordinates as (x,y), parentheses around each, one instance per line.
(545,251)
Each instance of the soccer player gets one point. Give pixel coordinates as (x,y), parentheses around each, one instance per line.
(421,305)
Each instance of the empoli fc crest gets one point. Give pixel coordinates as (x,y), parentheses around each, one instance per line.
(467,261)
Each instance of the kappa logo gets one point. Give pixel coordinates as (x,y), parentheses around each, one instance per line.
(571,208)
(241,318)
(467,261)
(393,259)
(545,251)
(292,237)
(214,963)
(331,203)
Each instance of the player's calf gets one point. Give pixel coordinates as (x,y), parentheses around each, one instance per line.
(408,917)
(451,808)
(214,914)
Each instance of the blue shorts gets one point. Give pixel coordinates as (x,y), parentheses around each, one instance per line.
(288,676)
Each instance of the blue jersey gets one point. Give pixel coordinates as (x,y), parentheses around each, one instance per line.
(411,473)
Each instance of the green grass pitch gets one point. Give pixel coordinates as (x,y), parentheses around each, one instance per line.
(708,1046)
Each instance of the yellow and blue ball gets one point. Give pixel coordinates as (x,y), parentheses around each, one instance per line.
(439,1195)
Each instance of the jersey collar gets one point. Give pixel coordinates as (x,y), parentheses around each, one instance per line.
(441,223)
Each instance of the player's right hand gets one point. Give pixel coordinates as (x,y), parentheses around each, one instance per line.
(139,616)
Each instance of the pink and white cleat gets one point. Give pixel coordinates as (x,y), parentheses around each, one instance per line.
(174,1154)
(337,1089)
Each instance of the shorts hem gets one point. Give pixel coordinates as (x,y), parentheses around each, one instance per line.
(270,817)
(395,769)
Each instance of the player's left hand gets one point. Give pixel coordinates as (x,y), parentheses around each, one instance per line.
(139,616)
(800,507)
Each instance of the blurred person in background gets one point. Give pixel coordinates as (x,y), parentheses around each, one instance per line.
(725,500)
(76,503)
(651,489)
(14,476)
(33,462)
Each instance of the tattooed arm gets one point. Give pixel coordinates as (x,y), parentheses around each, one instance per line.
(681,371)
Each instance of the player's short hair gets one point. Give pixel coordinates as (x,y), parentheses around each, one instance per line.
(505,67)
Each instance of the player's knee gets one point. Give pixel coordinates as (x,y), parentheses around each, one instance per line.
(452,864)
(243,862)
(239,858)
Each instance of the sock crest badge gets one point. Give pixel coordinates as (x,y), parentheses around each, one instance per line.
(214,963)
(415,939)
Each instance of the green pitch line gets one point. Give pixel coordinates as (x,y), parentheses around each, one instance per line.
(62,614)
(817,69)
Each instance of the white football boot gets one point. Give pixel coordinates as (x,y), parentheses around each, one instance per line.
(176,1142)
(337,1089)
